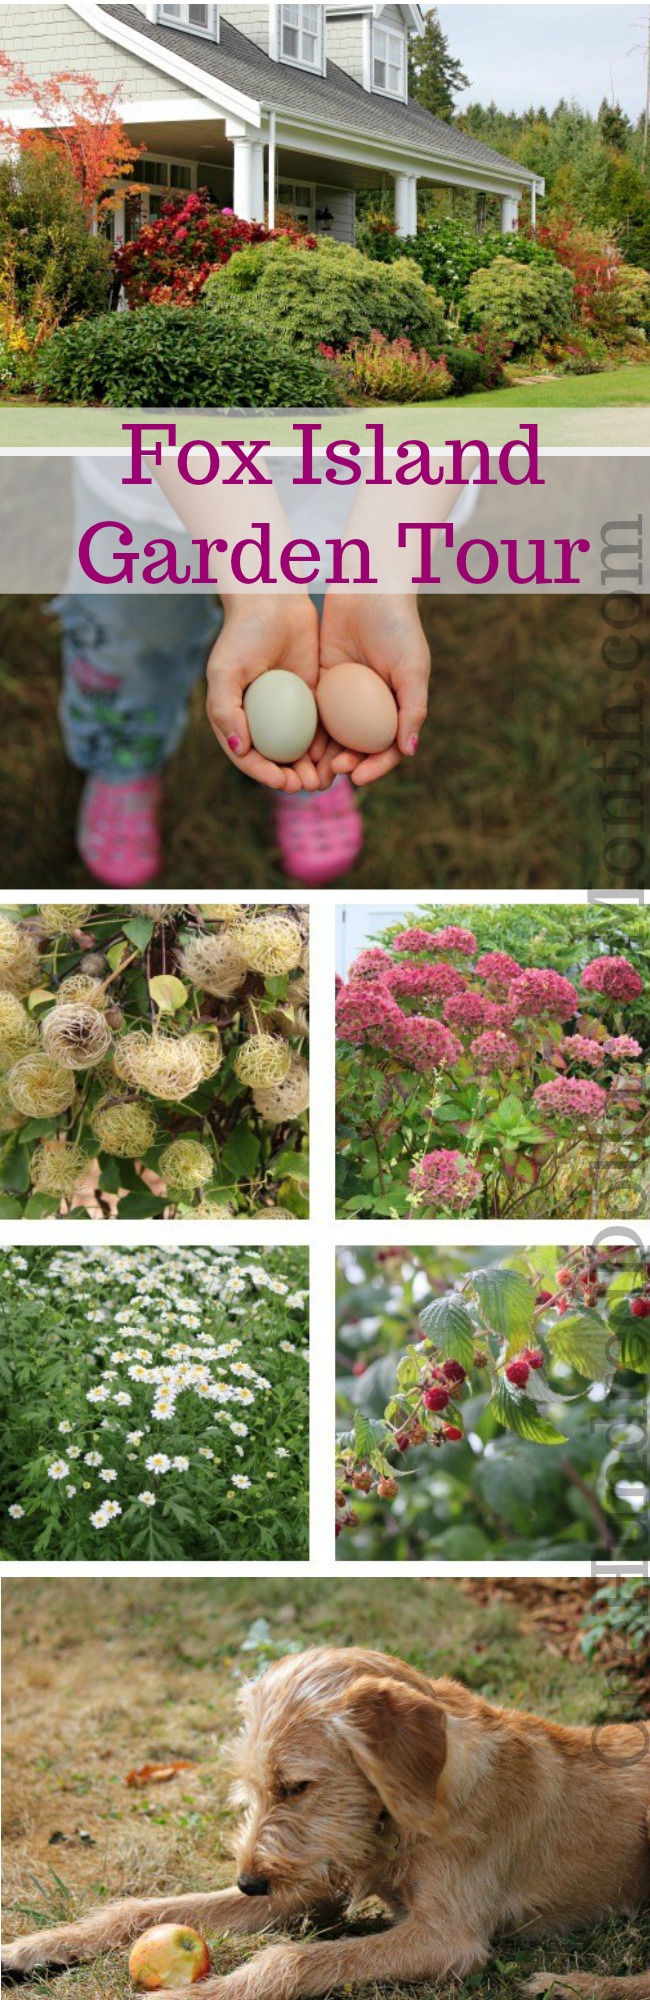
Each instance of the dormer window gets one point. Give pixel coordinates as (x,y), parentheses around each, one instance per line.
(388,61)
(201,20)
(301,36)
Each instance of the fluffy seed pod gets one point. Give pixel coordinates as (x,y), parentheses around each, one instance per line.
(167,1066)
(94,963)
(222,913)
(217,1211)
(61,919)
(209,1051)
(19,961)
(269,945)
(214,964)
(186,1165)
(40,1087)
(82,987)
(58,1169)
(262,1061)
(158,912)
(286,1099)
(10,1119)
(298,992)
(77,1036)
(124,1128)
(273,1215)
(18,1032)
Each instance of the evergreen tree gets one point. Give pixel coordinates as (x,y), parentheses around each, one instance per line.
(614,126)
(435,76)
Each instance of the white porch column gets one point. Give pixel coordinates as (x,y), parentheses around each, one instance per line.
(533,207)
(413,206)
(257,180)
(509,213)
(402,204)
(243,178)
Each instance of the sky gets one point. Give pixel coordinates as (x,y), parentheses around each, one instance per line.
(522,52)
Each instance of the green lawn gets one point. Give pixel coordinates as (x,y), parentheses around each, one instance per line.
(616,386)
(104,1674)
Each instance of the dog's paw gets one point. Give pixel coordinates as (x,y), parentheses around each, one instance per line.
(552,1986)
(21,1957)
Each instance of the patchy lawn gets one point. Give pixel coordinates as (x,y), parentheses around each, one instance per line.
(505,787)
(103,1675)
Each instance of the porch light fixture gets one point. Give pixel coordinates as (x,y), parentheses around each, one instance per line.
(325,218)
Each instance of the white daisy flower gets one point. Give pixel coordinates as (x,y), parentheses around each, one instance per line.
(280,1452)
(181,1464)
(148,1499)
(205,1452)
(97,1395)
(93,1458)
(58,1469)
(239,1479)
(123,1398)
(134,1437)
(108,1474)
(64,1427)
(158,1462)
(16,1512)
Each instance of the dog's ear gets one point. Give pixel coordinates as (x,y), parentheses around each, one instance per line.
(398,1737)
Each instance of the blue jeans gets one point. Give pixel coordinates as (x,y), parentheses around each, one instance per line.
(129,666)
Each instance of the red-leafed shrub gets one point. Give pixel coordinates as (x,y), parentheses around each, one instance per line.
(388,371)
(169,261)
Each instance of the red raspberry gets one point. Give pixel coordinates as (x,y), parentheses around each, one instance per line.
(451,1433)
(454,1372)
(640,1308)
(387,1489)
(562,1303)
(534,1357)
(543,1298)
(565,1277)
(402,1440)
(517,1372)
(358,1367)
(435,1399)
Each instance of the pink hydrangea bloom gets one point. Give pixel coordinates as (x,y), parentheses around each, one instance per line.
(427,1044)
(446,1179)
(541,991)
(566,1095)
(417,982)
(497,968)
(495,1050)
(620,1046)
(371,964)
(584,1049)
(466,1010)
(613,976)
(498,1014)
(364,1012)
(453,938)
(413,940)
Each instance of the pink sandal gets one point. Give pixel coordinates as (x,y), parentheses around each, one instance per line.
(118,831)
(320,834)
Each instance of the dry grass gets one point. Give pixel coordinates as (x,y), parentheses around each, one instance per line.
(504,789)
(103,1675)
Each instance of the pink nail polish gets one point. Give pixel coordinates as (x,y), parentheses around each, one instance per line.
(413,745)
(234,744)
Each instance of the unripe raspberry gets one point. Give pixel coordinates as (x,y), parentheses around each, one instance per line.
(562,1303)
(454,1372)
(350,1519)
(387,1489)
(418,1434)
(451,1433)
(517,1372)
(565,1277)
(339,1497)
(586,1277)
(640,1308)
(362,1482)
(435,1399)
(480,1360)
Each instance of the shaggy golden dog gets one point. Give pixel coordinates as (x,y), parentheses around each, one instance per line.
(358,1777)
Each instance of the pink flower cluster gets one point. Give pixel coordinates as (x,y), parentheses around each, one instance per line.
(365,1011)
(427,1044)
(494,1050)
(583,1049)
(497,968)
(371,964)
(620,1046)
(413,940)
(415,982)
(446,1179)
(473,1010)
(541,991)
(453,938)
(566,1095)
(613,976)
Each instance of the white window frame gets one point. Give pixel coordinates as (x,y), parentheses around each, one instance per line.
(160,190)
(293,206)
(277,26)
(383,34)
(182,19)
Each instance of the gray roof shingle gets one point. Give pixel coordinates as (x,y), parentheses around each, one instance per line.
(334,99)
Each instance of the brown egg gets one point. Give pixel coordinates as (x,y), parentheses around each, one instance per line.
(357,708)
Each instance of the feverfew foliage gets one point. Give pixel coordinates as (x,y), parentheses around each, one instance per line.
(154,1404)
(153,1061)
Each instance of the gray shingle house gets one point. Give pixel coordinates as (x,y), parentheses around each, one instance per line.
(270,106)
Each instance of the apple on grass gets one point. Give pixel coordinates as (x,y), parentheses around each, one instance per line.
(169,1955)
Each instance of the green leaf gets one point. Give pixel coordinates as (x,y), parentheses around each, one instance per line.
(139,931)
(507,1301)
(168,993)
(9,1209)
(241,1153)
(518,1413)
(40,1205)
(118,954)
(447,1322)
(141,1202)
(291,1166)
(585,1343)
(370,1439)
(635,1349)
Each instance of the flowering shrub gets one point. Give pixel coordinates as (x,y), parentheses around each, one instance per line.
(388,371)
(462,1084)
(170,260)
(152,1061)
(154,1404)
(500,1368)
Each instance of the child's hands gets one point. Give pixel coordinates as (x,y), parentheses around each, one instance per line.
(259,633)
(383,633)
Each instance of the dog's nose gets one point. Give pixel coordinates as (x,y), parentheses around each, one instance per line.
(253,1885)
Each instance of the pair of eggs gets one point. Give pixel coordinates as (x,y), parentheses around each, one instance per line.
(354,704)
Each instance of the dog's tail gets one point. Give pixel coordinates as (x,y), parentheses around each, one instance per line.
(588,1986)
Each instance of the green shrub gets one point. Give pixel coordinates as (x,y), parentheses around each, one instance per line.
(584,354)
(449,251)
(524,303)
(475,363)
(50,262)
(632,300)
(173,358)
(389,371)
(335,296)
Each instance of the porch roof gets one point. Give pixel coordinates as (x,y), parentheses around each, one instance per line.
(334,101)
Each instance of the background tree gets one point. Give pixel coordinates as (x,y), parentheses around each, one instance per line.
(435,76)
(82,122)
